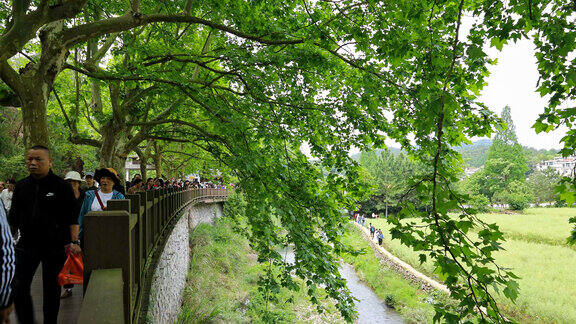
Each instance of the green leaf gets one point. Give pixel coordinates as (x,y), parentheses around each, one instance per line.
(498,43)
(511,290)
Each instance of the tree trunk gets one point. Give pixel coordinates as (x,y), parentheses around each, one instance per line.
(158,160)
(143,166)
(34,84)
(34,119)
(112,150)
(158,164)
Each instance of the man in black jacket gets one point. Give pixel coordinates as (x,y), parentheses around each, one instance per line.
(44,210)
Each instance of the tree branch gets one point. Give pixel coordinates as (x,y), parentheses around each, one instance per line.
(188,7)
(105,76)
(19,9)
(135,5)
(185,123)
(204,51)
(166,111)
(70,126)
(168,139)
(102,51)
(185,153)
(10,77)
(88,117)
(82,33)
(65,10)
(85,141)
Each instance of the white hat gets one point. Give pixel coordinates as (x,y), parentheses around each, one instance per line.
(73,175)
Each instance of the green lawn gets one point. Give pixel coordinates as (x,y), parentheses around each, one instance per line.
(540,225)
(536,250)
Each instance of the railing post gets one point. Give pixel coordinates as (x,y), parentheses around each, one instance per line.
(155,216)
(108,245)
(149,221)
(171,202)
(136,240)
(167,214)
(163,210)
(143,230)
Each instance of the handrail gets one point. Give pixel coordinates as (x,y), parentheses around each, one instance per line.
(127,236)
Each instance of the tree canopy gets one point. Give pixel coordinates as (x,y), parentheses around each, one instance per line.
(243,84)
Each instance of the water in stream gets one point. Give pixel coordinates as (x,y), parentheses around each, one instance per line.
(370,308)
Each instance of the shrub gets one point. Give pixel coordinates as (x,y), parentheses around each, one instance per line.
(518,201)
(517,195)
(235,206)
(480,202)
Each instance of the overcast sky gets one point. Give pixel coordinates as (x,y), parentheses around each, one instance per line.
(513,82)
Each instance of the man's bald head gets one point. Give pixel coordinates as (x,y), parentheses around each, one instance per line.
(38,161)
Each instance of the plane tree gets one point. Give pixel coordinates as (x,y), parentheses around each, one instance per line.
(332,74)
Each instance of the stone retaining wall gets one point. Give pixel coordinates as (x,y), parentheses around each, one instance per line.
(169,278)
(400,266)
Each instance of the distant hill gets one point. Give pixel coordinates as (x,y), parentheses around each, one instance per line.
(475,154)
(393,150)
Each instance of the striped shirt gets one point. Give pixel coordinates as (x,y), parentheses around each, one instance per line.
(7,260)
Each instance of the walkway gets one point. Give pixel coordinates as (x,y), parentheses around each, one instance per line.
(69,307)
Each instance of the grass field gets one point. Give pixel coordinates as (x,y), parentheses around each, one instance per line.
(536,249)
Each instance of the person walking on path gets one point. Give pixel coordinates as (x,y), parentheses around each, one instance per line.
(89,179)
(97,200)
(74,179)
(7,267)
(136,187)
(380,237)
(43,209)
(372,230)
(6,194)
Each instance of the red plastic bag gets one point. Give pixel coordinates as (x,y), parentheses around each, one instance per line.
(73,271)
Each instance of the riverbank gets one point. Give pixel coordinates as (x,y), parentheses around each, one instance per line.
(413,300)
(222,284)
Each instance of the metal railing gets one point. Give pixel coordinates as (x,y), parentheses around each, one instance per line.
(129,236)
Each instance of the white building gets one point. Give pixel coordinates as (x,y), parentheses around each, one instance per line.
(133,163)
(562,165)
(471,170)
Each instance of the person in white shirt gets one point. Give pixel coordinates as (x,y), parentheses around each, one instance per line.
(6,194)
(97,200)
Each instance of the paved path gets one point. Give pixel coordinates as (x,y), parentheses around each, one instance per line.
(69,307)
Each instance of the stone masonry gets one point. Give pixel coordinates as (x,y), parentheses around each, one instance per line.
(169,278)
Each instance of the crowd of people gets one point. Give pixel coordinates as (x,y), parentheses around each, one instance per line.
(137,184)
(41,222)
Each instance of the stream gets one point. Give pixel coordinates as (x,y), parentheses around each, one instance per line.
(371,309)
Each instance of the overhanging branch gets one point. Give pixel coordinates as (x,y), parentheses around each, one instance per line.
(82,33)
(185,123)
(85,141)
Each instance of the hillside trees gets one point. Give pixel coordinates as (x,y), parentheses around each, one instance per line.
(390,175)
(543,184)
(503,178)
